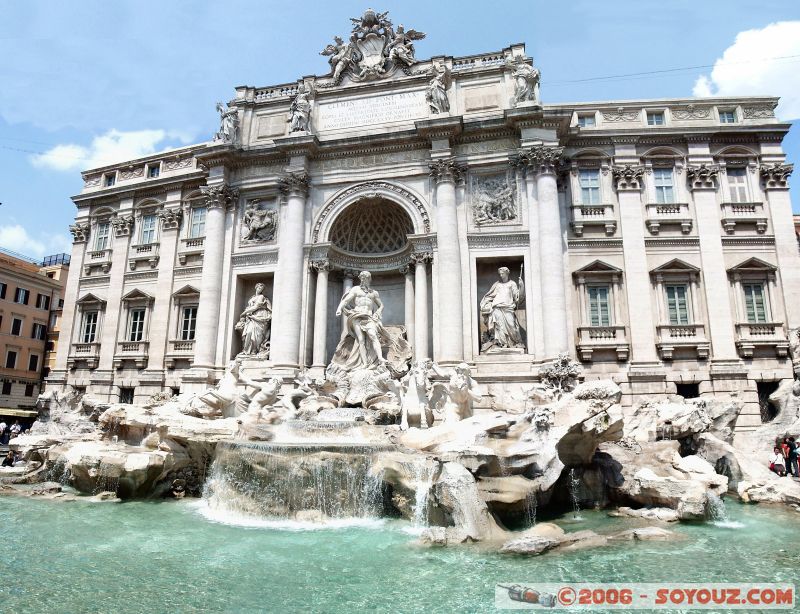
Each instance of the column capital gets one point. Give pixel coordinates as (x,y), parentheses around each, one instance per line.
(80,232)
(421,257)
(541,159)
(122,225)
(294,184)
(628,178)
(219,196)
(776,175)
(321,265)
(447,169)
(350,274)
(702,176)
(405,270)
(170,218)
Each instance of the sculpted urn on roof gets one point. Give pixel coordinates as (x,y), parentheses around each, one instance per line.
(375,49)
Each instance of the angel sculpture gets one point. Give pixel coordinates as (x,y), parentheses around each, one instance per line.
(455,398)
(401,49)
(341,55)
(436,95)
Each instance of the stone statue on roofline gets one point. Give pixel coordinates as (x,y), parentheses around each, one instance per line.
(228,125)
(526,82)
(300,111)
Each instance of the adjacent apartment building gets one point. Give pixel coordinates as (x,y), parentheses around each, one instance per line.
(31,296)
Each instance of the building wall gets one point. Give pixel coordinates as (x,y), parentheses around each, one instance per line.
(17,273)
(626,240)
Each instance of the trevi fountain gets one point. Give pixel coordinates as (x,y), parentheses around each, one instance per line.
(384,480)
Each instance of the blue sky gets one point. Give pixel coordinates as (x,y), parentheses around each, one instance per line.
(84,80)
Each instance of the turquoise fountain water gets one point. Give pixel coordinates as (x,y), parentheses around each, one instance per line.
(159,557)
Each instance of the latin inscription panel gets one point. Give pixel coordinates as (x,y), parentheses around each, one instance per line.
(359,112)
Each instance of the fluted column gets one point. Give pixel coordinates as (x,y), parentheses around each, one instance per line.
(218,199)
(543,161)
(448,279)
(408,303)
(421,340)
(322,267)
(776,186)
(288,293)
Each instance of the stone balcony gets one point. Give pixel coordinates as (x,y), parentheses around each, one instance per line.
(190,247)
(682,336)
(179,350)
(84,352)
(736,216)
(764,335)
(134,351)
(659,215)
(605,338)
(593,215)
(143,253)
(97,259)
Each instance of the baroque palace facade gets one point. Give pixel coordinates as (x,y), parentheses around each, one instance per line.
(650,239)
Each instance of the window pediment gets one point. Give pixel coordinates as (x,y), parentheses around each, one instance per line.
(753,265)
(137,295)
(186,292)
(676,266)
(597,271)
(90,300)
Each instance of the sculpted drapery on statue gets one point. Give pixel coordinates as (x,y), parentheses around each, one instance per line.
(436,94)
(254,324)
(300,111)
(526,81)
(499,311)
(228,125)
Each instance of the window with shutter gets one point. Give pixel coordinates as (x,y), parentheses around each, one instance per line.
(737,184)
(599,311)
(677,304)
(755,305)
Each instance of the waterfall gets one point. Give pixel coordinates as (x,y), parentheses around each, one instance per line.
(288,481)
(574,486)
(423,475)
(530,508)
(717,513)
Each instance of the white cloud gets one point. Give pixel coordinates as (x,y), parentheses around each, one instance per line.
(17,239)
(742,71)
(109,148)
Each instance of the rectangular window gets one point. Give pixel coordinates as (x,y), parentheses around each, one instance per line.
(754,303)
(42,301)
(136,325)
(11,359)
(585,121)
(16,327)
(3,290)
(599,308)
(33,362)
(727,117)
(101,240)
(50,346)
(89,328)
(6,387)
(39,331)
(53,320)
(198,225)
(188,323)
(153,171)
(655,118)
(22,296)
(662,177)
(678,304)
(110,179)
(737,184)
(148,229)
(589,180)
(28,390)
(126,395)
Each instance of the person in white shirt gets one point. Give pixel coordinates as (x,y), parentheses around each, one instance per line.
(776,462)
(15,429)
(3,427)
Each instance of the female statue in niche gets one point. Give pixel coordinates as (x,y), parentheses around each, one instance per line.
(499,312)
(254,324)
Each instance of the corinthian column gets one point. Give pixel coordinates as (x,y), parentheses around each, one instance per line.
(448,278)
(288,292)
(218,199)
(543,160)
(322,267)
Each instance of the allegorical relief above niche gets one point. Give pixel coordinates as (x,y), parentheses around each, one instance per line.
(494,199)
(259,222)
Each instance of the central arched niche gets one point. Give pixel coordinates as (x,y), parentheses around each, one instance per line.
(372,226)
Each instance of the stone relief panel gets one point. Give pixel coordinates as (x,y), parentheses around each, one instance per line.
(348,162)
(259,222)
(494,199)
